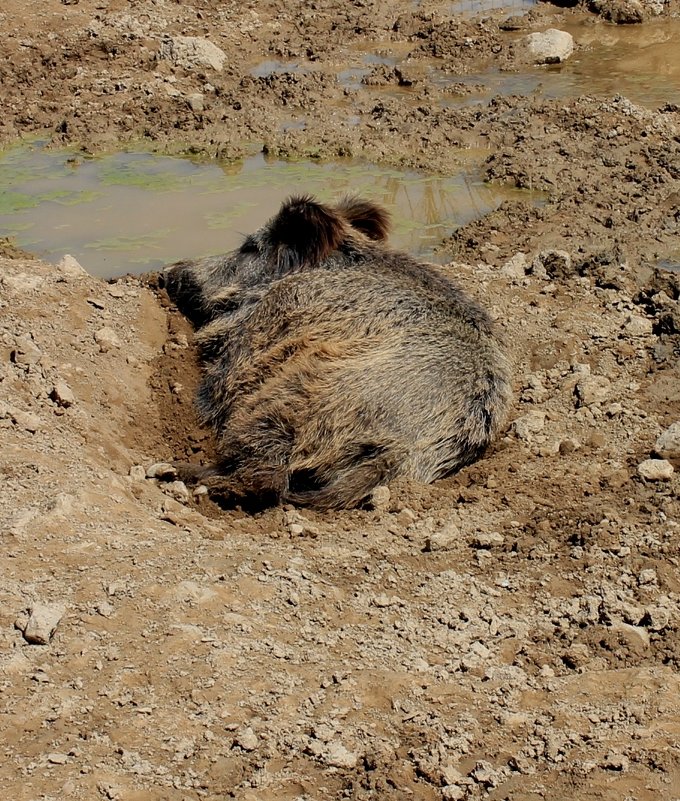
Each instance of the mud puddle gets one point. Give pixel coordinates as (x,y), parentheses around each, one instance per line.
(640,63)
(132,212)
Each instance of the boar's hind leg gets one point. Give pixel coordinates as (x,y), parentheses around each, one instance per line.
(347,482)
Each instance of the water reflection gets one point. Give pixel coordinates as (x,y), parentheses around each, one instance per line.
(136,211)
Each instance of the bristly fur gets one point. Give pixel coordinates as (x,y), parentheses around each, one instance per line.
(304,232)
(332,364)
(366,217)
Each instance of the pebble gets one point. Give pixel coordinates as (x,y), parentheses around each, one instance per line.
(196,102)
(655,469)
(637,326)
(592,389)
(337,756)
(668,444)
(42,622)
(57,759)
(443,540)
(27,420)
(487,539)
(107,339)
(550,47)
(192,52)
(516,267)
(406,518)
(26,352)
(137,472)
(69,267)
(161,470)
(528,425)
(380,497)
(62,394)
(452,792)
(247,739)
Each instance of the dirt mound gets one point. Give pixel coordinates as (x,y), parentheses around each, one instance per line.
(512,628)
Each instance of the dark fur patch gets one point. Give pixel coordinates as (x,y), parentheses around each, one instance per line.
(304,232)
(185,291)
(366,217)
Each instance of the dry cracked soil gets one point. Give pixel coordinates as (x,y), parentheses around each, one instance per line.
(512,632)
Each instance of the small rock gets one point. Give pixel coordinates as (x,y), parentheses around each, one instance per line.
(104,608)
(406,518)
(178,490)
(69,267)
(383,601)
(247,739)
(26,352)
(516,267)
(161,470)
(668,444)
(452,792)
(529,424)
(196,102)
(550,47)
(487,539)
(614,761)
(337,756)
(443,540)
(192,52)
(27,420)
(62,394)
(592,389)
(116,290)
(655,469)
(137,472)
(637,326)
(379,499)
(57,759)
(552,263)
(107,339)
(647,576)
(42,622)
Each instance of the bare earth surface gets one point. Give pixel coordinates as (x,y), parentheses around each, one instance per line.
(512,632)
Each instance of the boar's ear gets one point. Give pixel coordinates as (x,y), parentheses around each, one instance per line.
(304,232)
(366,217)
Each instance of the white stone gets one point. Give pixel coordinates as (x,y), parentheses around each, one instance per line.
(516,267)
(62,394)
(192,52)
(668,444)
(655,469)
(592,389)
(550,47)
(26,420)
(69,267)
(247,739)
(380,497)
(444,539)
(337,756)
(487,539)
(162,470)
(529,424)
(107,339)
(42,622)
(637,326)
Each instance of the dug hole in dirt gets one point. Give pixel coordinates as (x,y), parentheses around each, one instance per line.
(508,633)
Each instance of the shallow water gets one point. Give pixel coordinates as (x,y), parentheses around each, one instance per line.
(640,62)
(132,212)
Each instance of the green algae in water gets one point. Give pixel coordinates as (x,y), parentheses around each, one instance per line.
(132,212)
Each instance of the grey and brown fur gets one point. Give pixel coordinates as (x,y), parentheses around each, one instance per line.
(333,364)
